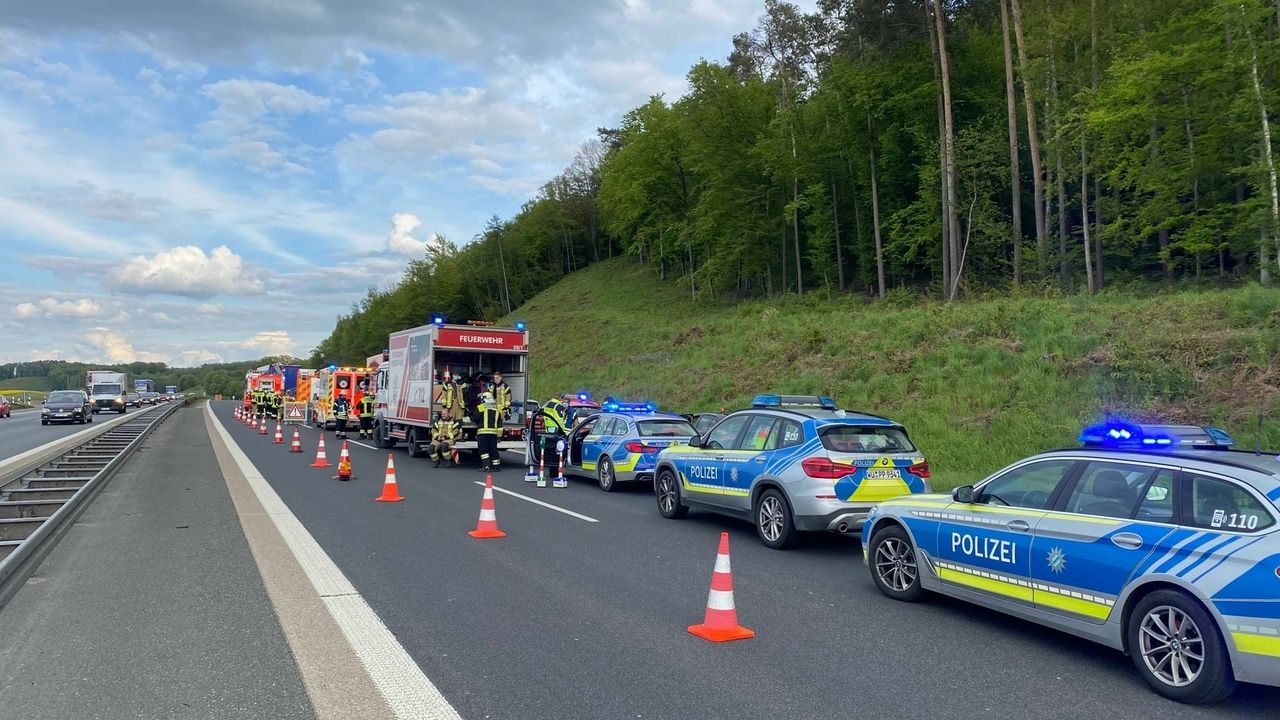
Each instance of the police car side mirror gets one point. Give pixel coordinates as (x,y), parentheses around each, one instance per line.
(695,441)
(963,494)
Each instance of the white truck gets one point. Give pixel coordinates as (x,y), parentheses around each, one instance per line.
(106,390)
(406,387)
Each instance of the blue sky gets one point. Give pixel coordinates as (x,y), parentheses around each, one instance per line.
(215,180)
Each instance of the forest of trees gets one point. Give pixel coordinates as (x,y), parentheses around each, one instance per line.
(942,146)
(213,378)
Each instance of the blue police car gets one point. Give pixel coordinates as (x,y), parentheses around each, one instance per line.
(1156,540)
(621,442)
(791,463)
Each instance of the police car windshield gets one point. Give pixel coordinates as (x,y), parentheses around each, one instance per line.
(666,428)
(858,439)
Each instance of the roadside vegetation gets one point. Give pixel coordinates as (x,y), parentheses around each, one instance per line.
(978,383)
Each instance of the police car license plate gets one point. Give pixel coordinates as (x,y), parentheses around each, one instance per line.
(879,474)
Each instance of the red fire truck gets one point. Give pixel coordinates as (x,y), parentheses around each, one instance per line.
(406,381)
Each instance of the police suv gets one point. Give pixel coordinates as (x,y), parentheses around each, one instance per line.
(1156,540)
(791,463)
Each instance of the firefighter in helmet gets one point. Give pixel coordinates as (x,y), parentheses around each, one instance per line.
(551,424)
(367,403)
(341,410)
(501,394)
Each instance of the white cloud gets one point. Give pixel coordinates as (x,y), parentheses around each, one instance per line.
(210,309)
(267,342)
(186,270)
(401,240)
(249,99)
(52,307)
(111,346)
(192,358)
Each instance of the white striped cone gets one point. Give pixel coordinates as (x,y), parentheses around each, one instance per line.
(720,624)
(262,429)
(487,525)
(279,438)
(296,445)
(321,460)
(390,488)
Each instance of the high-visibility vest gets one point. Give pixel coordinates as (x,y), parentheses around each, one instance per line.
(444,430)
(553,422)
(490,420)
(367,404)
(502,394)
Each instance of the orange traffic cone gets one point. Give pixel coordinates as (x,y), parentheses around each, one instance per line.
(262,429)
(296,445)
(390,488)
(321,460)
(487,525)
(344,463)
(279,439)
(721,621)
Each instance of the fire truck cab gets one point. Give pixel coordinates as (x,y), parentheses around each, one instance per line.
(329,383)
(408,382)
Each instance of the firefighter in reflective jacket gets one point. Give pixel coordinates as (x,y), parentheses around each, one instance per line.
(553,418)
(341,409)
(444,433)
(277,404)
(501,394)
(490,422)
(367,404)
(257,403)
(451,397)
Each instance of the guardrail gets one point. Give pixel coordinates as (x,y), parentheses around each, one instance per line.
(26,557)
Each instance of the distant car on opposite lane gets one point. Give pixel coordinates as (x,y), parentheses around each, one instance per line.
(791,463)
(66,406)
(6,408)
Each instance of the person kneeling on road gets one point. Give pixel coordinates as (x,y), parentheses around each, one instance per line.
(487,435)
(341,408)
(444,433)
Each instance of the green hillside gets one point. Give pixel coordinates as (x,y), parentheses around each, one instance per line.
(977,383)
(25,383)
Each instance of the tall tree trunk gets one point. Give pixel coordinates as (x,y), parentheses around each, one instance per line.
(857,222)
(1268,160)
(502,262)
(785,284)
(795,212)
(952,218)
(1084,210)
(1056,111)
(942,151)
(1015,177)
(1097,176)
(875,205)
(693,283)
(835,221)
(1033,138)
(1063,230)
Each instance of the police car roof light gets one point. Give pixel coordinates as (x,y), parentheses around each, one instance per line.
(781,401)
(1118,434)
(628,407)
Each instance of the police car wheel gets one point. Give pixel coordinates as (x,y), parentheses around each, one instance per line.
(893,564)
(605,475)
(1176,647)
(774,523)
(667,490)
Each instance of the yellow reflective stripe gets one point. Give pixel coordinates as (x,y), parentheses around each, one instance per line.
(711,489)
(588,465)
(627,465)
(877,490)
(991,585)
(1077,606)
(1257,644)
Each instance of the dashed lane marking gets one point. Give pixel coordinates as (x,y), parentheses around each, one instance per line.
(407,690)
(548,505)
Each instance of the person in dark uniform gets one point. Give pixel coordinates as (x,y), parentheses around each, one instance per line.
(341,410)
(367,404)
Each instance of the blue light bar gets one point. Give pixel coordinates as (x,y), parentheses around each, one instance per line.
(520,325)
(1119,434)
(612,405)
(437,319)
(782,401)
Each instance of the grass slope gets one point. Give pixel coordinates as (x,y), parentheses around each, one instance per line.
(978,384)
(25,383)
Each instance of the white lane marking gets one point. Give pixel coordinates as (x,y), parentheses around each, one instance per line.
(535,501)
(407,690)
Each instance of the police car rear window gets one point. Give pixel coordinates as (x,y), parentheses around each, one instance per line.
(665,428)
(860,439)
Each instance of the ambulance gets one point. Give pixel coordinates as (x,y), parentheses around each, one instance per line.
(329,383)
(407,388)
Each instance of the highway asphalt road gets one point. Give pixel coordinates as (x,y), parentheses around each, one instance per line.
(566,618)
(23,431)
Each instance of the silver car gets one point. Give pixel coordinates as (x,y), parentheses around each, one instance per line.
(791,463)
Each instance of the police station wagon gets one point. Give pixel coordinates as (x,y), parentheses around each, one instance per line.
(1155,540)
(791,463)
